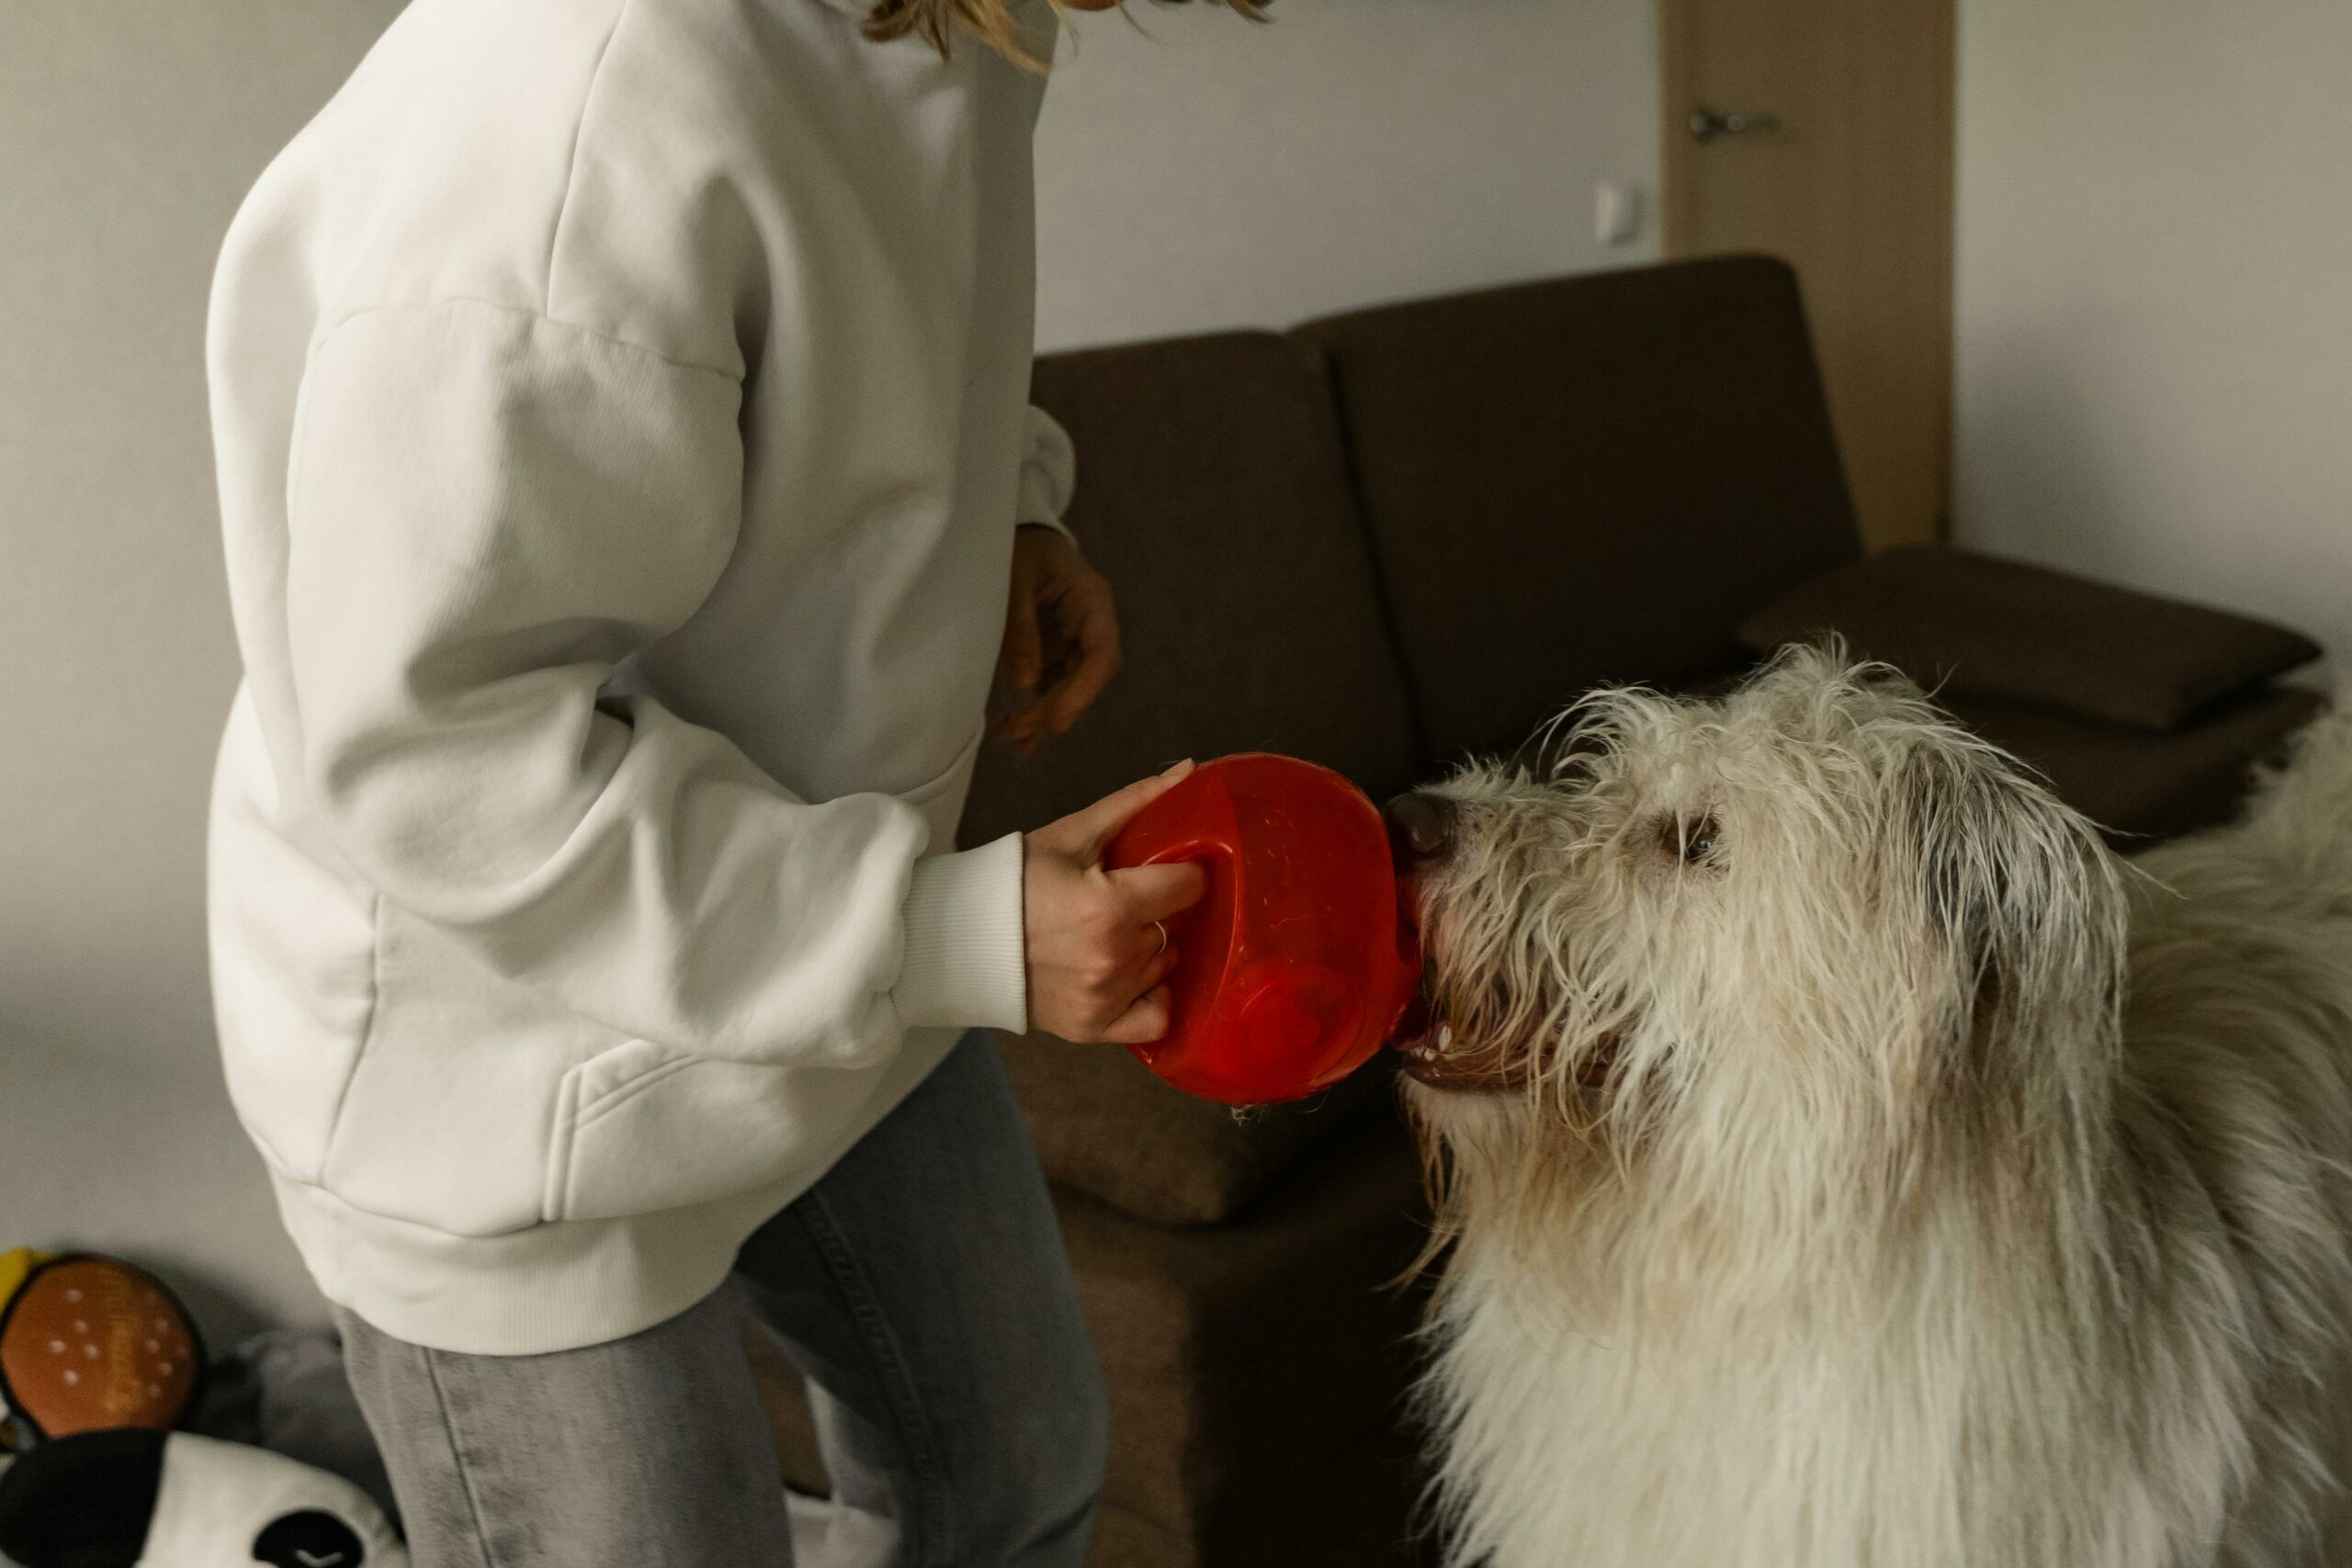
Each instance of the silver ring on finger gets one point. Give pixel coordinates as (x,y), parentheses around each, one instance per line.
(1163,938)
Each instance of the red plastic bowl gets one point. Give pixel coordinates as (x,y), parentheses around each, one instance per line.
(1298,962)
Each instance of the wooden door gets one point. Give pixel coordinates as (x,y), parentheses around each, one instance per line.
(1821,132)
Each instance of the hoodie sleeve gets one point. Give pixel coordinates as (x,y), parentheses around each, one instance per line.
(1048,473)
(489,509)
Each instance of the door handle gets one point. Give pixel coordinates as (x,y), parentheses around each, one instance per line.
(1706,124)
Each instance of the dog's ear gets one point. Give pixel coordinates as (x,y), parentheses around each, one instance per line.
(2026,898)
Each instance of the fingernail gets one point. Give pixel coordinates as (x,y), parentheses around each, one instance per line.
(1180,770)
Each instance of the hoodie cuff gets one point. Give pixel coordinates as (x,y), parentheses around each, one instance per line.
(1048,473)
(965,963)
(1056,523)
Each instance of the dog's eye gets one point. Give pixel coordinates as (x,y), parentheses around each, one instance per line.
(1690,839)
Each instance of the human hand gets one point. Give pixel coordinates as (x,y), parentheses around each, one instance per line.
(1097,957)
(1061,638)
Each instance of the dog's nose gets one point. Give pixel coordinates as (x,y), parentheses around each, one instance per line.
(1420,825)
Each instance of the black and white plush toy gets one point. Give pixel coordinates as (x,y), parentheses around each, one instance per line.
(132,1498)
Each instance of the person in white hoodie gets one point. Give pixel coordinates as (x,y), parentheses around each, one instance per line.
(629,493)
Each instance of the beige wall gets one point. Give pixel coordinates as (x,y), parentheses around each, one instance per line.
(2155,296)
(1208,174)
(129,129)
(1196,171)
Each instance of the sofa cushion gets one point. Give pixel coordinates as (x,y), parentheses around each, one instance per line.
(2138,784)
(1972,625)
(1257,1369)
(1212,492)
(1588,479)
(1106,1125)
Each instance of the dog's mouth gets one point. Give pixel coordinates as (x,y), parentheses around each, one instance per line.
(1431,1063)
(1437,1053)
(1426,1048)
(1436,1056)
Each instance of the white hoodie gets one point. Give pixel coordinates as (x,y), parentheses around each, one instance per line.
(619,408)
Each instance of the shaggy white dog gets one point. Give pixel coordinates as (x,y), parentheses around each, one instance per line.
(1849,1162)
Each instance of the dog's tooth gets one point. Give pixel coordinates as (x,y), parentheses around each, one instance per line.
(1444,1036)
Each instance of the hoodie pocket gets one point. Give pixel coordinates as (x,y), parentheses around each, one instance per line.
(941,800)
(645,1127)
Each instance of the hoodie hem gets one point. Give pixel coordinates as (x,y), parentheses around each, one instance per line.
(566,1284)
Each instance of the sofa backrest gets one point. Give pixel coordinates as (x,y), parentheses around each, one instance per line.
(1560,482)
(1213,491)
(1586,479)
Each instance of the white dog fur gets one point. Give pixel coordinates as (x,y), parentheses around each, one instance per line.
(1873,1171)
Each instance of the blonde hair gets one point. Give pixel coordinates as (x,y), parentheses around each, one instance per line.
(991,21)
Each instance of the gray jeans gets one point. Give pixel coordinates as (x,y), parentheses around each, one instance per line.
(920,1286)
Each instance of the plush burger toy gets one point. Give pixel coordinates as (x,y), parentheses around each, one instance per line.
(99,1363)
(91,1344)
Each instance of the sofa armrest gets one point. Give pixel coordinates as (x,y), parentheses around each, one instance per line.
(1979,626)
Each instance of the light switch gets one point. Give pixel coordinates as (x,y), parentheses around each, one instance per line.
(1616,212)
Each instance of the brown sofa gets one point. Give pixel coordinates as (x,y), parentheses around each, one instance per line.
(1383,541)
